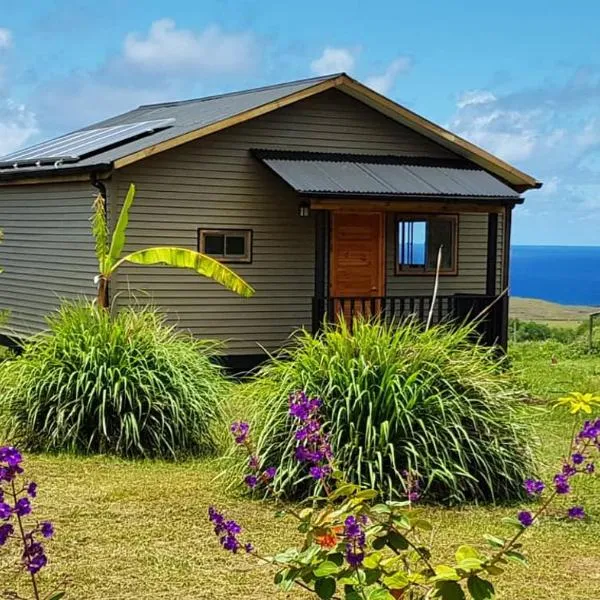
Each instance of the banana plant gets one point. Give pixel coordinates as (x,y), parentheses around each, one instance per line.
(110,259)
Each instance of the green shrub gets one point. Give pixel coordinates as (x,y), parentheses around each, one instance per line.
(126,384)
(398,398)
(532,331)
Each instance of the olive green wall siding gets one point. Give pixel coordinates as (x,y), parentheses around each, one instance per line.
(215,183)
(48,250)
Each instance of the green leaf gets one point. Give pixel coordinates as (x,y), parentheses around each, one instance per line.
(422,524)
(380,542)
(480,589)
(372,560)
(345,490)
(190,259)
(100,231)
(57,596)
(516,557)
(379,594)
(397,541)
(465,552)
(325,569)
(397,581)
(367,494)
(380,509)
(445,573)
(449,590)
(325,587)
(118,237)
(286,556)
(494,570)
(512,521)
(494,541)
(470,564)
(337,558)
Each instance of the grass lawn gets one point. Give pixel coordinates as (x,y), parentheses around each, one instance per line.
(130,530)
(542,311)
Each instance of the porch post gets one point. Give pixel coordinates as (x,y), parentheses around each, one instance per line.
(505,276)
(492,254)
(321,257)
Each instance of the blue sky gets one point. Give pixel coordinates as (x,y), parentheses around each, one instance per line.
(520,78)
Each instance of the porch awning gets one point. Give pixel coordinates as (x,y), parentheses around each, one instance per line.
(329,174)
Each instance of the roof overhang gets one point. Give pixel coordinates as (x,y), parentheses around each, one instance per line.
(386,177)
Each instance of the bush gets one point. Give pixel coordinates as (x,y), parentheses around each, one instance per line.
(126,384)
(532,331)
(395,399)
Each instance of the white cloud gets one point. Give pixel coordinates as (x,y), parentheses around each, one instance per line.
(17,126)
(5,38)
(384,82)
(168,49)
(334,60)
(471,97)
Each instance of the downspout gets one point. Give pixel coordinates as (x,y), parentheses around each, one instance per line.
(102,281)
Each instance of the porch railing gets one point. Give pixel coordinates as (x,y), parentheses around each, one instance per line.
(490,311)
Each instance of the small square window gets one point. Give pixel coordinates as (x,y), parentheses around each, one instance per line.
(226,245)
(420,239)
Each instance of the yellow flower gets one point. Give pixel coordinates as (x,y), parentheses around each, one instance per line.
(577,402)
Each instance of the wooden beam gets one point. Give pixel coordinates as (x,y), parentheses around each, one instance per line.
(404,206)
(40,180)
(224,124)
(438,134)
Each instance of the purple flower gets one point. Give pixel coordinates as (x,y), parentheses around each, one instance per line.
(227,531)
(240,431)
(302,407)
(254,463)
(5,511)
(414,496)
(590,468)
(6,531)
(525,518)
(47,529)
(590,430)
(32,489)
(251,481)
(577,458)
(11,456)
(354,536)
(533,486)
(576,512)
(568,470)
(319,472)
(561,484)
(248,547)
(23,507)
(37,563)
(270,473)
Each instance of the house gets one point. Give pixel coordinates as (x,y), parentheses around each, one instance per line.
(321,193)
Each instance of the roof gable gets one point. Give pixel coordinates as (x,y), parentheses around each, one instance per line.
(195,119)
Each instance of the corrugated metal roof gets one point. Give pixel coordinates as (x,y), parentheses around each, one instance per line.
(189,115)
(346,174)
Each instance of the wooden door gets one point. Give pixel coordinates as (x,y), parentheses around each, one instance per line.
(357,262)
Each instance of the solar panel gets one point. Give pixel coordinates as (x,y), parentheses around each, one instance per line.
(73,147)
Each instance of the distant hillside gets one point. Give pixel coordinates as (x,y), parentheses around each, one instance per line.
(530,309)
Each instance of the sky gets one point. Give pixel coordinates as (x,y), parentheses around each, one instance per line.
(519,78)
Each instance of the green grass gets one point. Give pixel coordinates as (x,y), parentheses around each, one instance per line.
(131,530)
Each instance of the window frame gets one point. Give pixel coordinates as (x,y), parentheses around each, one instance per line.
(224,258)
(408,271)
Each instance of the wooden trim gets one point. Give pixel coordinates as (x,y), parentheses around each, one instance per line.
(492,255)
(507,226)
(438,134)
(48,179)
(224,124)
(403,206)
(246,233)
(428,273)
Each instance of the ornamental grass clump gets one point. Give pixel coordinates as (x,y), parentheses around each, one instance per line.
(357,547)
(125,384)
(396,400)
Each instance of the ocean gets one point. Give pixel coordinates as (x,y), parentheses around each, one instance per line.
(563,274)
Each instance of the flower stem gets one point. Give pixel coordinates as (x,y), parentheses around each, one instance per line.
(36,593)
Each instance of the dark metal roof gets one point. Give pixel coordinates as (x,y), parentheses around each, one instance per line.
(318,173)
(189,115)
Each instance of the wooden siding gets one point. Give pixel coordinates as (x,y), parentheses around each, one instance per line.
(48,250)
(216,183)
(472,261)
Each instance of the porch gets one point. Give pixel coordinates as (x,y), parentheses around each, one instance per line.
(490,311)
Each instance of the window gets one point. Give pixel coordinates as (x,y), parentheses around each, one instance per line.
(226,245)
(418,240)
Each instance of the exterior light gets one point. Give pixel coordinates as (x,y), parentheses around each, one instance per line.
(304,209)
